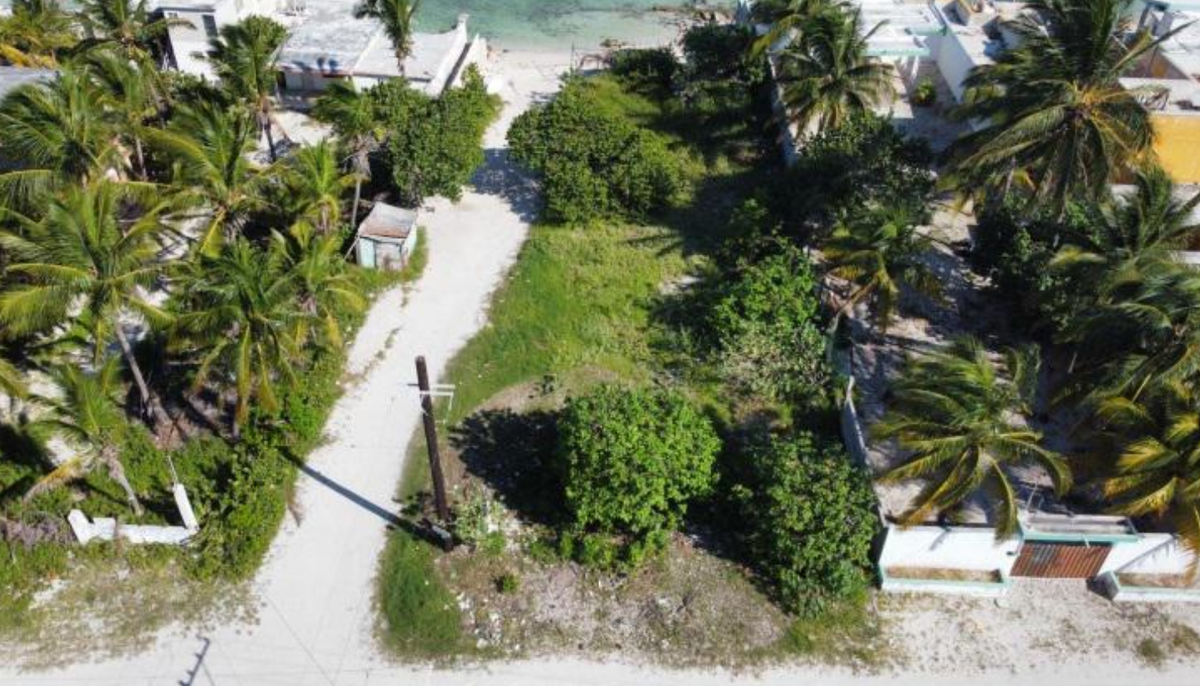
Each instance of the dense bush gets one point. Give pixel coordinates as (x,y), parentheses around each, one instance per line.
(594,163)
(434,145)
(631,460)
(811,518)
(864,163)
(714,52)
(656,66)
(1014,251)
(766,321)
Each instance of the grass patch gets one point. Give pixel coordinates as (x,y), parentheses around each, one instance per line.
(846,633)
(582,305)
(577,306)
(420,615)
(415,266)
(1151,652)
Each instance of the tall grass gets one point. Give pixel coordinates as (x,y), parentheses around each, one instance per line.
(421,617)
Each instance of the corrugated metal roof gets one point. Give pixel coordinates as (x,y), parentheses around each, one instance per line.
(388,221)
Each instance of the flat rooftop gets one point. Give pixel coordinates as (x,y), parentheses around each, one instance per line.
(903,26)
(15,77)
(1181,96)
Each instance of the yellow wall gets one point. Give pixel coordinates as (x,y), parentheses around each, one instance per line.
(1177,144)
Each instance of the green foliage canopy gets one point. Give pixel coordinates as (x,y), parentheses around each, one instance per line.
(632,460)
(812,519)
(594,163)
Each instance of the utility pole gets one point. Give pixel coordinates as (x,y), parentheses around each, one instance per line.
(431,441)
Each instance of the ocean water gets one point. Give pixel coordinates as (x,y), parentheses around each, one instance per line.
(547,24)
(552,24)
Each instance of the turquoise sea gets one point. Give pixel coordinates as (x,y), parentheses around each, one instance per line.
(557,23)
(545,24)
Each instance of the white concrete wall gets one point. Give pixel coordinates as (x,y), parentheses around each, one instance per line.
(476,54)
(186,41)
(1155,553)
(947,548)
(954,62)
(972,589)
(446,70)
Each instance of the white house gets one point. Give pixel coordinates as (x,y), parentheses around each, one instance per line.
(187,41)
(325,43)
(342,47)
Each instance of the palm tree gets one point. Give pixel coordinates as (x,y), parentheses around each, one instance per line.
(1156,470)
(212,172)
(240,317)
(324,288)
(352,117)
(787,18)
(84,255)
(35,33)
(1056,119)
(957,412)
(1143,331)
(11,382)
(85,413)
(129,25)
(1145,227)
(399,21)
(826,76)
(132,95)
(314,185)
(56,133)
(245,57)
(878,253)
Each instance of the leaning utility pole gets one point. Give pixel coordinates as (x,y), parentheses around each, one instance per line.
(431,441)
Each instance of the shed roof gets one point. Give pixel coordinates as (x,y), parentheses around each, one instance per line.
(388,221)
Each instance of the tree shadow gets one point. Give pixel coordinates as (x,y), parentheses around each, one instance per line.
(514,454)
(501,176)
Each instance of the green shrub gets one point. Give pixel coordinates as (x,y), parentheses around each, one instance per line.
(1013,248)
(767,325)
(863,163)
(243,518)
(656,66)
(717,52)
(632,460)
(434,145)
(508,583)
(421,617)
(594,163)
(812,519)
(925,94)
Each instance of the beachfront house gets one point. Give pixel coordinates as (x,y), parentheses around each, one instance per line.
(387,238)
(318,53)
(326,43)
(200,21)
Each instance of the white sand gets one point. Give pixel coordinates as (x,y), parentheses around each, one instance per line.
(316,615)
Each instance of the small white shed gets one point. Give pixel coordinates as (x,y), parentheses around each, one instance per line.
(387,237)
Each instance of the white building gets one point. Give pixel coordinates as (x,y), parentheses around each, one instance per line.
(325,43)
(188,42)
(342,47)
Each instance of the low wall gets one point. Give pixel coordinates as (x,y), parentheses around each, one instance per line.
(1119,592)
(975,589)
(475,54)
(973,548)
(1153,553)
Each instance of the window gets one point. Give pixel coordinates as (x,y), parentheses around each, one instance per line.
(210,25)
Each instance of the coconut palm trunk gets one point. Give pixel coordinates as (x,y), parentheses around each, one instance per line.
(151,408)
(116,471)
